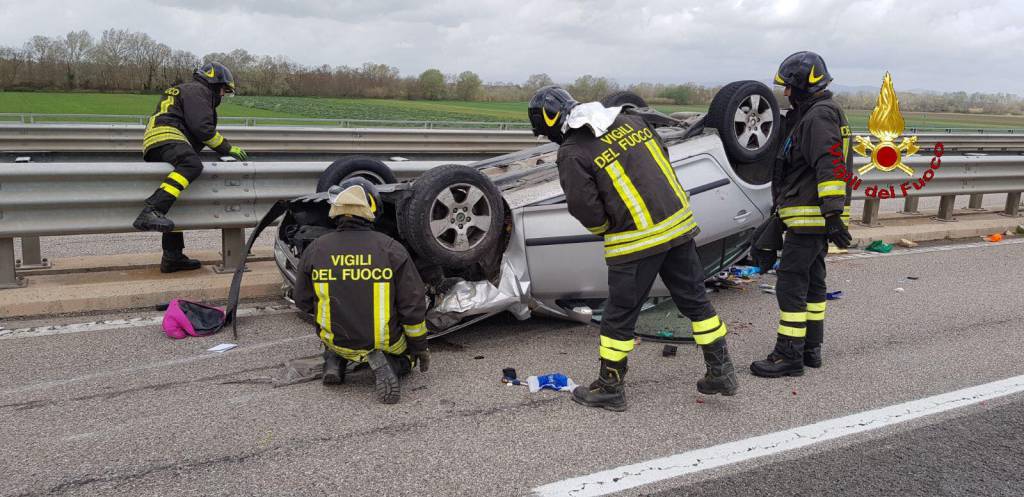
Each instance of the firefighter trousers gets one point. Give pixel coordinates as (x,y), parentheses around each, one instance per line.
(187,168)
(629,285)
(800,287)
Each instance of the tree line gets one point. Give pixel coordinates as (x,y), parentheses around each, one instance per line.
(120,60)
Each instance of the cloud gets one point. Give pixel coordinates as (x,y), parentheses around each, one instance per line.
(942,45)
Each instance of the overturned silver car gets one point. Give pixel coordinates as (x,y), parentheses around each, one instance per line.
(496,235)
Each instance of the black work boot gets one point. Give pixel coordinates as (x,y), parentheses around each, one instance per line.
(151,219)
(174,261)
(721,375)
(334,371)
(786,360)
(812,347)
(608,391)
(386,381)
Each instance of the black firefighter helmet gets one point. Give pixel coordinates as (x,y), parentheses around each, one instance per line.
(214,74)
(805,71)
(548,110)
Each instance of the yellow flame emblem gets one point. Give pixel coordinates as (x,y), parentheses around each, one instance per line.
(886,124)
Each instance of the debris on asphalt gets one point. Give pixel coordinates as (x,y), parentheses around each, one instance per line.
(700,400)
(915,278)
(669,351)
(224,347)
(832,249)
(836,295)
(551,381)
(1020,229)
(907,243)
(900,290)
(794,392)
(478,357)
(508,374)
(744,271)
(766,288)
(665,334)
(879,246)
(994,237)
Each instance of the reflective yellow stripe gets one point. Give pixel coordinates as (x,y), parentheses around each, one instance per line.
(215,141)
(804,221)
(181,180)
(354,355)
(650,242)
(831,188)
(793,317)
(600,229)
(615,350)
(815,307)
(630,197)
(801,210)
(666,169)
(415,330)
(398,347)
(707,331)
(170,189)
(323,310)
(681,215)
(381,314)
(791,331)
(815,316)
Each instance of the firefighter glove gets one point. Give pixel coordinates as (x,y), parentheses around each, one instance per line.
(837,232)
(238,153)
(423,359)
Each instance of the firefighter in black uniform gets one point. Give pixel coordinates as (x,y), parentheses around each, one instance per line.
(365,292)
(185,121)
(621,186)
(814,206)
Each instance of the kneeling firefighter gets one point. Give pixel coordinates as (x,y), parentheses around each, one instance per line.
(814,206)
(185,121)
(619,184)
(365,292)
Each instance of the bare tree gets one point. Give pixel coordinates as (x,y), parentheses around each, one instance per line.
(12,60)
(111,57)
(73,48)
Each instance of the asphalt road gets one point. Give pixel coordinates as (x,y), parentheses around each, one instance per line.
(129,412)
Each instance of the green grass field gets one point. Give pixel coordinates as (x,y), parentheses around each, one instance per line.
(397,110)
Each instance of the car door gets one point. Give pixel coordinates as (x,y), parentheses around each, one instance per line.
(567,262)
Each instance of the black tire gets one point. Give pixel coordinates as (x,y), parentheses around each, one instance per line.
(432,225)
(623,97)
(753,141)
(373,170)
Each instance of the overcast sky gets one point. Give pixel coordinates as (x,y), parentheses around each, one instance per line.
(945,46)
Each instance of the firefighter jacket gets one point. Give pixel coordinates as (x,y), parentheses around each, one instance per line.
(187,113)
(805,187)
(364,290)
(622,186)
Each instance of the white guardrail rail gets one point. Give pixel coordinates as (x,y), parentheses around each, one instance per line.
(54,199)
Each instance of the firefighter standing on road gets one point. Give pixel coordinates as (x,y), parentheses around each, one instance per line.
(619,184)
(814,205)
(185,121)
(365,292)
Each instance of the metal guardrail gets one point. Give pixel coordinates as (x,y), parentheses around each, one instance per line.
(95,138)
(33,118)
(88,198)
(108,138)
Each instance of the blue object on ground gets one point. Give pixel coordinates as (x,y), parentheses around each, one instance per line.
(834,295)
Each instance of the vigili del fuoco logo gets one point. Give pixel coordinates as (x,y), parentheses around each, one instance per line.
(886,125)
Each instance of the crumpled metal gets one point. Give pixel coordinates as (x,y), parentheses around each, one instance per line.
(592,114)
(471,298)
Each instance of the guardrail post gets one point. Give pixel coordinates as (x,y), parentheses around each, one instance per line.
(975,202)
(946,208)
(870,216)
(232,250)
(910,205)
(1012,205)
(31,254)
(8,277)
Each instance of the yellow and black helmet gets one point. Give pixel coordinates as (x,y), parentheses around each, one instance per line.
(805,71)
(213,74)
(355,197)
(548,110)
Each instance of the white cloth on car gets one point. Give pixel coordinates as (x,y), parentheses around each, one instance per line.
(592,114)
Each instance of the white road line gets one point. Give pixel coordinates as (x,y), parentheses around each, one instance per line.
(116,324)
(922,250)
(635,475)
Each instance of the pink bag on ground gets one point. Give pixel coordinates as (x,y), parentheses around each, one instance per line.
(184,318)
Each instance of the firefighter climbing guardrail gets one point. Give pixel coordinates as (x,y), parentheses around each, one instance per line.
(84,198)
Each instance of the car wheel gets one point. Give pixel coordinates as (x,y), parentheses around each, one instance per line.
(373,170)
(454,216)
(746,115)
(623,97)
